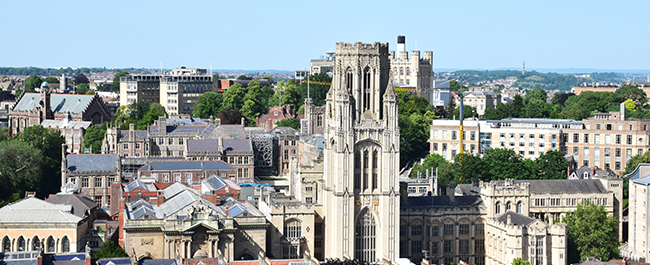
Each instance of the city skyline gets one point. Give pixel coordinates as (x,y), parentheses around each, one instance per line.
(253,35)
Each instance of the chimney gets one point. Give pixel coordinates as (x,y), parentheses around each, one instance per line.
(451,186)
(131,126)
(509,221)
(217,122)
(242,121)
(401,49)
(221,145)
(162,124)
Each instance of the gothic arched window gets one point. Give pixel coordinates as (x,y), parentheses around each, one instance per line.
(50,245)
(365,237)
(6,244)
(65,244)
(497,208)
(365,169)
(21,244)
(36,244)
(408,71)
(357,170)
(519,207)
(366,89)
(292,229)
(375,171)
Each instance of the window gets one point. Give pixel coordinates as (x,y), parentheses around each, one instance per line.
(586,138)
(98,182)
(449,246)
(126,146)
(309,200)
(497,208)
(292,229)
(137,145)
(596,138)
(240,160)
(618,139)
(479,245)
(463,246)
(463,229)
(472,136)
(453,135)
(84,182)
(65,244)
(449,229)
(479,229)
(434,249)
(435,231)
(416,247)
(165,177)
(50,245)
(629,139)
(630,127)
(170,141)
(177,177)
(576,137)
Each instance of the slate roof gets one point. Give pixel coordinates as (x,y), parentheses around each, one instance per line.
(234,130)
(92,162)
(186,165)
(56,124)
(441,201)
(176,188)
(139,133)
(79,202)
(515,218)
(138,184)
(208,145)
(58,102)
(182,200)
(217,183)
(32,209)
(284,131)
(562,186)
(237,144)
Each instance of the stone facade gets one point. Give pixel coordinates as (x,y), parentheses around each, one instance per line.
(414,71)
(93,174)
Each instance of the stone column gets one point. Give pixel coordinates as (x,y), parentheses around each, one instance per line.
(183,253)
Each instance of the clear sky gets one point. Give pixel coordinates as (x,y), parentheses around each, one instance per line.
(285,35)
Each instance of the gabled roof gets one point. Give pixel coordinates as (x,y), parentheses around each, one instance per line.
(216,183)
(92,162)
(515,218)
(30,210)
(182,200)
(568,186)
(176,188)
(440,201)
(80,203)
(58,124)
(284,131)
(138,184)
(73,103)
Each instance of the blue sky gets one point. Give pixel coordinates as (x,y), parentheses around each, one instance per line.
(285,35)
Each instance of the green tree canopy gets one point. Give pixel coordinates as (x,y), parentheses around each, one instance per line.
(535,105)
(110,250)
(138,109)
(552,165)
(32,82)
(82,88)
(49,142)
(520,261)
(208,104)
(94,136)
(51,80)
(233,98)
(468,112)
(20,170)
(155,111)
(290,122)
(115,86)
(591,233)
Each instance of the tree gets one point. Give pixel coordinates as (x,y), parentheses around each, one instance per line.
(5,134)
(468,111)
(155,111)
(504,163)
(32,83)
(90,92)
(20,169)
(50,142)
(591,232)
(535,105)
(552,165)
(290,122)
(80,79)
(82,89)
(138,109)
(115,86)
(110,250)
(520,261)
(233,98)
(291,95)
(93,137)
(208,105)
(243,77)
(51,80)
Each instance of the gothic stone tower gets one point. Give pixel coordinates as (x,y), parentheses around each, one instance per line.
(361,168)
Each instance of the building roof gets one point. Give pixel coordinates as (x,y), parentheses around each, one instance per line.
(58,124)
(515,218)
(176,188)
(80,203)
(237,145)
(565,186)
(139,133)
(73,103)
(183,199)
(31,210)
(186,165)
(284,131)
(234,130)
(138,184)
(216,183)
(203,145)
(92,162)
(439,201)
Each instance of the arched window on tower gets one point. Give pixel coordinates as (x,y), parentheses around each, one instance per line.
(519,207)
(348,80)
(365,237)
(366,168)
(497,208)
(401,71)
(374,170)
(357,170)
(366,89)
(408,71)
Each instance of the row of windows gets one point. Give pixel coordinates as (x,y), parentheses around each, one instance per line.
(241,160)
(618,138)
(98,181)
(51,245)
(454,135)
(447,247)
(447,229)
(567,201)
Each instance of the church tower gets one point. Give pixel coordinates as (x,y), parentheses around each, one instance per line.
(361,169)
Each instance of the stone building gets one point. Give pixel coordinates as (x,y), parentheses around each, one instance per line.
(480,100)
(287,142)
(636,248)
(413,71)
(93,174)
(268,121)
(69,113)
(189,172)
(192,227)
(494,222)
(32,224)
